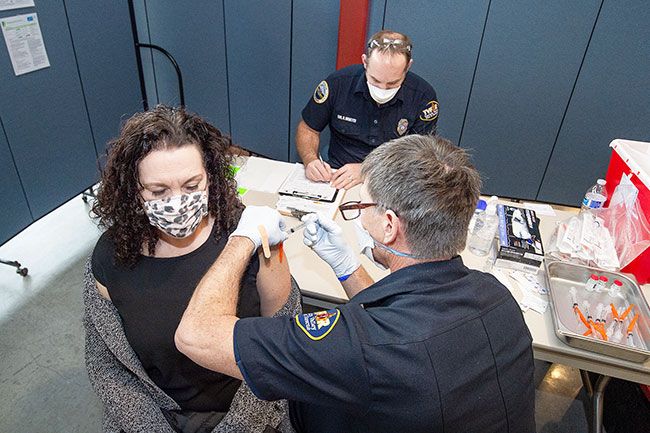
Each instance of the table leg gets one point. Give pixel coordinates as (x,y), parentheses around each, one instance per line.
(586,382)
(598,402)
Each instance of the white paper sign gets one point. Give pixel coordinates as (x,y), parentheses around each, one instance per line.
(24,41)
(5,5)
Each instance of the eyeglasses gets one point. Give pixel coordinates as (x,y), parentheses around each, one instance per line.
(352,209)
(385,43)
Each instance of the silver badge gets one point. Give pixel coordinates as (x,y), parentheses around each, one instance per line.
(402,126)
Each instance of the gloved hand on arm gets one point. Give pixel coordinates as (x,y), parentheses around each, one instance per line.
(255,216)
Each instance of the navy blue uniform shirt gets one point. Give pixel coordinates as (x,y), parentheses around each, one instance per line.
(434,347)
(357,123)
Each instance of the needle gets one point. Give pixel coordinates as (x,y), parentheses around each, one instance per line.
(296,228)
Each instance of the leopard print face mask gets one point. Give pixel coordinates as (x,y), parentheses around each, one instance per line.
(180,215)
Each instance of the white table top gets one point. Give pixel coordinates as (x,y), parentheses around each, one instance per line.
(317,281)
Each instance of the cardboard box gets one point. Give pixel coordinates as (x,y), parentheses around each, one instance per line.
(520,244)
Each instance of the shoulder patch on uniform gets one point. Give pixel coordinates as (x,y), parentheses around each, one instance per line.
(318,325)
(322,92)
(430,112)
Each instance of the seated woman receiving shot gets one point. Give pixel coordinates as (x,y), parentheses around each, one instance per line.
(168,202)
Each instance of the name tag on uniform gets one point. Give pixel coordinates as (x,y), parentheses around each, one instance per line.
(346,118)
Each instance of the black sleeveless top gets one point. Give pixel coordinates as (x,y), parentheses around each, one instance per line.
(151,298)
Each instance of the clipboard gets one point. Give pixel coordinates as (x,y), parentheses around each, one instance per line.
(297,185)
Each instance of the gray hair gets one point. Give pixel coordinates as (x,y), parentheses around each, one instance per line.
(431,185)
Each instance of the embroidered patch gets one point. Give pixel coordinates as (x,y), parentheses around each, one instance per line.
(346,118)
(318,325)
(402,126)
(431,112)
(322,92)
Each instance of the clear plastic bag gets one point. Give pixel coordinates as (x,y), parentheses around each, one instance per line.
(584,239)
(626,222)
(608,238)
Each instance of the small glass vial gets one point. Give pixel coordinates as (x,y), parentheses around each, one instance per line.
(615,288)
(591,283)
(602,284)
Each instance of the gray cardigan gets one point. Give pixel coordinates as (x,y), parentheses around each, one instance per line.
(132,402)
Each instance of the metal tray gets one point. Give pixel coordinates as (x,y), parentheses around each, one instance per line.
(561,276)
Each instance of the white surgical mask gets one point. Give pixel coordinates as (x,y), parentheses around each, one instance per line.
(367,244)
(381,96)
(178,216)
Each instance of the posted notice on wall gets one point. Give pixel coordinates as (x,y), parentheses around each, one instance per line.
(24,41)
(5,5)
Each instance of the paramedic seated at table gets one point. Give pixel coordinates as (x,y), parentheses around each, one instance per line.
(432,347)
(365,106)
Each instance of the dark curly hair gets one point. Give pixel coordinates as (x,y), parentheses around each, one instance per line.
(119,206)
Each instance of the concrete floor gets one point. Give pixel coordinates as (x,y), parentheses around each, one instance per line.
(43,379)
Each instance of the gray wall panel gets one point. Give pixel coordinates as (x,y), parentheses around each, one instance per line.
(611,100)
(45,119)
(446,38)
(15,212)
(107,64)
(194,35)
(258,36)
(529,59)
(313,57)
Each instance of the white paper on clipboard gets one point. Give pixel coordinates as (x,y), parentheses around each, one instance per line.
(261,174)
(297,185)
(286,203)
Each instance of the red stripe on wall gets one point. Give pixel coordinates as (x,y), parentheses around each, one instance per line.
(353,25)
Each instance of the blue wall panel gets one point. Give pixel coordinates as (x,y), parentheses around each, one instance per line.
(194,34)
(107,64)
(313,57)
(258,37)
(142,23)
(15,212)
(611,100)
(446,38)
(45,119)
(376,14)
(530,56)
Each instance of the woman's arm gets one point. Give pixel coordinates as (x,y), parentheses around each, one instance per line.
(273,281)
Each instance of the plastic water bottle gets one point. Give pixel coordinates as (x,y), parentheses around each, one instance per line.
(480,241)
(480,208)
(595,196)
